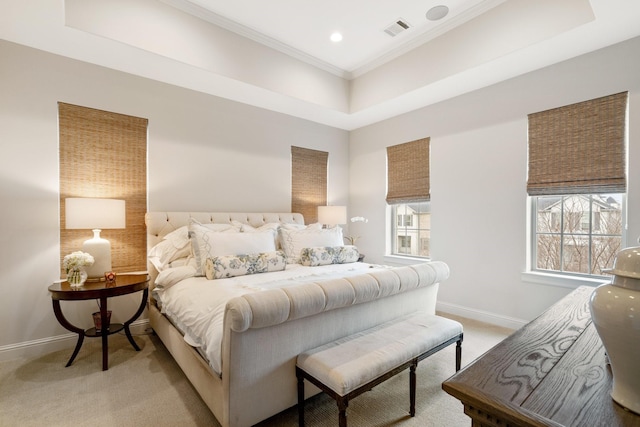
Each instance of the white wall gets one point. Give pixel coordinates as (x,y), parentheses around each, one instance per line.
(478,179)
(204,153)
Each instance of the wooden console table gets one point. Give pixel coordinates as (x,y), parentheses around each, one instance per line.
(551,372)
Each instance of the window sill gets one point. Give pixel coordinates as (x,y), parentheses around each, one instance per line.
(560,280)
(404,260)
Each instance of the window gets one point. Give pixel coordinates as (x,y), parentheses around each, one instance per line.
(412,229)
(103,154)
(308,181)
(405,220)
(408,194)
(579,233)
(577,183)
(404,244)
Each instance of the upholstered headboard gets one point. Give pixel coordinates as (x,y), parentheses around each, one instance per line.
(159,224)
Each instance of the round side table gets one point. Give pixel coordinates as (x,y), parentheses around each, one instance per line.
(100,290)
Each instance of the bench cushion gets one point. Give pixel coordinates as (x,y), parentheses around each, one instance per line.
(350,362)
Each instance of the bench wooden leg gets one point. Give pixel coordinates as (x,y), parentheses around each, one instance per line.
(458,353)
(300,398)
(412,388)
(343,402)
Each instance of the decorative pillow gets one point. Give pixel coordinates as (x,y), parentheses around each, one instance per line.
(326,255)
(240,265)
(206,243)
(293,241)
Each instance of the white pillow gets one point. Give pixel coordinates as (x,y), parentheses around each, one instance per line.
(293,226)
(179,237)
(181,262)
(206,243)
(273,226)
(218,227)
(173,246)
(165,252)
(171,276)
(293,241)
(176,245)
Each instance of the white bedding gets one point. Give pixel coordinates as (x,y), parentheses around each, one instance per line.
(196,305)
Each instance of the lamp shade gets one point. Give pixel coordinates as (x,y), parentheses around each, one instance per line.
(96,214)
(332,215)
(81,213)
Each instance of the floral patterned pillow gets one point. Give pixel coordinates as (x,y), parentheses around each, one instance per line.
(326,255)
(240,265)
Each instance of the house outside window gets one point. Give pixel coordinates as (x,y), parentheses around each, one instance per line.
(577,234)
(411,229)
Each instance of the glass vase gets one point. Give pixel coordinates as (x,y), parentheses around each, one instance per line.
(76,277)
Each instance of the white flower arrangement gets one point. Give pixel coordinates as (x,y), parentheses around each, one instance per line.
(352,239)
(75,260)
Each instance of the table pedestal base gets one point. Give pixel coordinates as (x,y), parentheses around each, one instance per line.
(104,333)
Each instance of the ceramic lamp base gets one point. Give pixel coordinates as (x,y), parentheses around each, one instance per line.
(100,249)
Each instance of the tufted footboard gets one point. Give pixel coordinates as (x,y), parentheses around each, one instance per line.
(265,332)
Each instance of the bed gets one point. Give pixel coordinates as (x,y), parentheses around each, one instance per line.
(245,369)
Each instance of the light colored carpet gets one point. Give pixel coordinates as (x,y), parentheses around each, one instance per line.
(147,388)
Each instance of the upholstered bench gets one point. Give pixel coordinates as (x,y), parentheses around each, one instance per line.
(352,365)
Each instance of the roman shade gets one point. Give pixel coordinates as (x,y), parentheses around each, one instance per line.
(579,148)
(308,182)
(408,172)
(104,155)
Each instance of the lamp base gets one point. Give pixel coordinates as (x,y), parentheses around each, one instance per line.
(100,249)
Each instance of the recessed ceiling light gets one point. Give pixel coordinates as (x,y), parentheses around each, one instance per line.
(437,12)
(336,37)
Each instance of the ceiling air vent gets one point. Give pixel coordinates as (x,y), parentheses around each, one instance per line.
(397,27)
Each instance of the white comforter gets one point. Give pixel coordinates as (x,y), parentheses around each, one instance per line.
(196,305)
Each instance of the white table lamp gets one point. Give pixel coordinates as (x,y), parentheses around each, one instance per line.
(96,214)
(332,215)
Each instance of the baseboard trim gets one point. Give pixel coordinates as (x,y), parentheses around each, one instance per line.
(35,348)
(481,316)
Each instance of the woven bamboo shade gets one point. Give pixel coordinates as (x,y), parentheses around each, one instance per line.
(104,155)
(308,182)
(579,148)
(408,172)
